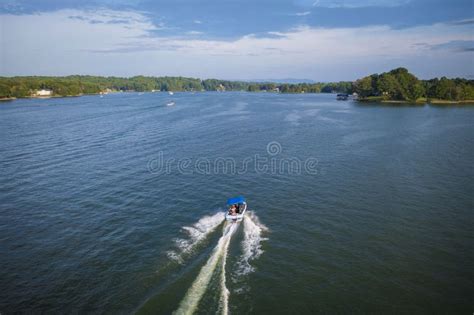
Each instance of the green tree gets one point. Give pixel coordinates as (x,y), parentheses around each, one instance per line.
(363,87)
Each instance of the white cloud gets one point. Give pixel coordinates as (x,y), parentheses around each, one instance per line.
(358,3)
(127,43)
(303,13)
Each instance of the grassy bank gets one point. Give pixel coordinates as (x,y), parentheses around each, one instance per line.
(419,101)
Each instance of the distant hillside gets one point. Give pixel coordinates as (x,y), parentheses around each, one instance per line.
(17,87)
(397,85)
(288,81)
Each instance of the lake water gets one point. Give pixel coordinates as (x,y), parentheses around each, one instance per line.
(115,205)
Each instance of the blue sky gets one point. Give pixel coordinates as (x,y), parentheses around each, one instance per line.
(321,40)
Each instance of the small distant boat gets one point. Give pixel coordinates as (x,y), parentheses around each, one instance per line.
(237,207)
(170,104)
(170,92)
(342,97)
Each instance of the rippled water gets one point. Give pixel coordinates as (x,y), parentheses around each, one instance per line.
(112,205)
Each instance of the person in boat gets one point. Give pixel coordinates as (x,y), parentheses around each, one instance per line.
(232,210)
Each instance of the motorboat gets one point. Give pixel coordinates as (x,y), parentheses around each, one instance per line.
(342,96)
(236,209)
(170,92)
(170,104)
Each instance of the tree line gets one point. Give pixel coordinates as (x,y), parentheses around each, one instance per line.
(78,85)
(400,85)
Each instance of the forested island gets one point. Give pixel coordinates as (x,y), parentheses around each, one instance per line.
(397,85)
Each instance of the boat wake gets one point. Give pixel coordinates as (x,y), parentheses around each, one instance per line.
(197,233)
(251,246)
(191,300)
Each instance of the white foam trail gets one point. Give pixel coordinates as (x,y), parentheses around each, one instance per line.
(252,243)
(191,300)
(224,299)
(196,234)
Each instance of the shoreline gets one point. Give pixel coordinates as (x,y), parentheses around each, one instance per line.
(419,102)
(7,99)
(138,92)
(370,100)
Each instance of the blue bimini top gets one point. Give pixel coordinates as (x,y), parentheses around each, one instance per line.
(235,200)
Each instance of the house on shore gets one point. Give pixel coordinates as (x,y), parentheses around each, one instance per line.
(43,93)
(220,88)
(106,91)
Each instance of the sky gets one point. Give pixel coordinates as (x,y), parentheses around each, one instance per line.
(321,40)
